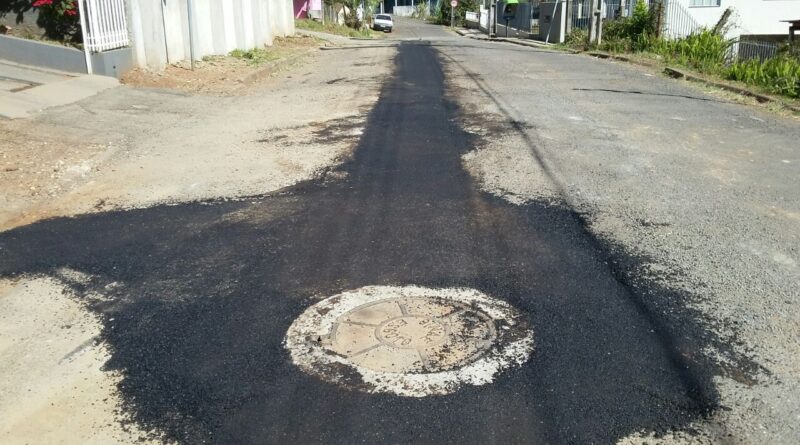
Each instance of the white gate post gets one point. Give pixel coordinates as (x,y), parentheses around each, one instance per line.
(85,35)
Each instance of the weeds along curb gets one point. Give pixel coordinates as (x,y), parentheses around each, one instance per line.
(268,68)
(672,72)
(678,74)
(601,55)
(531,44)
(762,98)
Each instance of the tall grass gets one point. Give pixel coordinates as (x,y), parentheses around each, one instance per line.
(332,28)
(705,51)
(779,75)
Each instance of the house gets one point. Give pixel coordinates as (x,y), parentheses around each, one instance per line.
(751,19)
(304,9)
(399,8)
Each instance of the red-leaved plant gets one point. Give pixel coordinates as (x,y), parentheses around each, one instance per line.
(59,19)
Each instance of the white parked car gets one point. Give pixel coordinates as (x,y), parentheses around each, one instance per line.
(382,22)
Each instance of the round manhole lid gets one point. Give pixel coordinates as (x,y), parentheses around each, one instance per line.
(410,341)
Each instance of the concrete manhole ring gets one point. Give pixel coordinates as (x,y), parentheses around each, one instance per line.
(410,341)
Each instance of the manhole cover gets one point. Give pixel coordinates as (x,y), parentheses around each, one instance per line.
(410,341)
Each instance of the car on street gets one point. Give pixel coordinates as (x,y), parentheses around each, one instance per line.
(383,22)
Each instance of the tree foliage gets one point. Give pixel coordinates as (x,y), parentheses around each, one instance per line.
(351,7)
(59,19)
(464,6)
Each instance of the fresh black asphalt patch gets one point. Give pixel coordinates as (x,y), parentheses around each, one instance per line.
(199,297)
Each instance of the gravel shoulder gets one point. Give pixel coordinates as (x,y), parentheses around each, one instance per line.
(135,147)
(703,188)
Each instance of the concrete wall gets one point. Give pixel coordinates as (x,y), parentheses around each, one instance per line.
(160,28)
(34,53)
(750,16)
(62,58)
(403,11)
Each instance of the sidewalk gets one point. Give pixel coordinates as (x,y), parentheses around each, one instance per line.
(331,38)
(480,35)
(25,91)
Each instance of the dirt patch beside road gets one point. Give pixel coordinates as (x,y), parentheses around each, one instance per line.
(228,74)
(132,147)
(35,168)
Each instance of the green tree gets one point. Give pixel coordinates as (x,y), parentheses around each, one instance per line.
(351,10)
(443,16)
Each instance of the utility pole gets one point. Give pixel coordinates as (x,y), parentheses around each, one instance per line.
(595,21)
(600,22)
(190,13)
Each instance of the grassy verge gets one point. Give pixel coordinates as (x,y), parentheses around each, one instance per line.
(780,75)
(255,56)
(707,53)
(339,30)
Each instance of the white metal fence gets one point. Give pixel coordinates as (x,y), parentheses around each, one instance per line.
(403,11)
(677,21)
(750,49)
(105,25)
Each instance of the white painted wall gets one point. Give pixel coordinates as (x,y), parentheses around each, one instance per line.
(750,16)
(160,28)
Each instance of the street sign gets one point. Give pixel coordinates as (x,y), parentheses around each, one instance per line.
(453,3)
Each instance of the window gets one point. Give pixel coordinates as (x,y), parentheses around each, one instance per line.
(700,3)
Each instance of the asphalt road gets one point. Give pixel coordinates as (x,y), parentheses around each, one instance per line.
(203,293)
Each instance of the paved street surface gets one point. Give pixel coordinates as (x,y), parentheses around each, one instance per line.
(643,232)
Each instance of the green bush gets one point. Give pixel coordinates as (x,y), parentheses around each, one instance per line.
(59,19)
(779,75)
(255,56)
(705,51)
(630,33)
(577,38)
(642,21)
(332,28)
(421,10)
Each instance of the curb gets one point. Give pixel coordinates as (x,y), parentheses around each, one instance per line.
(528,43)
(330,38)
(268,68)
(678,74)
(601,55)
(761,98)
(672,72)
